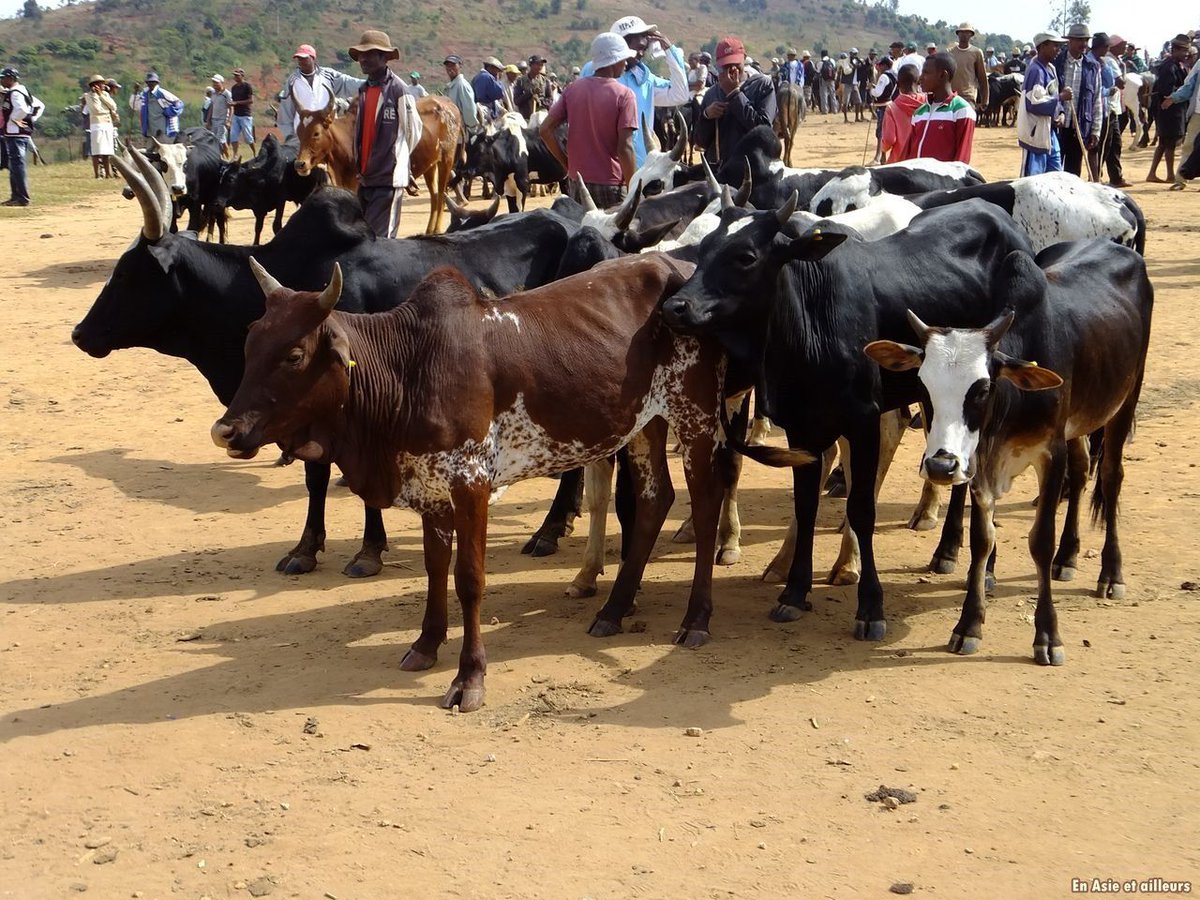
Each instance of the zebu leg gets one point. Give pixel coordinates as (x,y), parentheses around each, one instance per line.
(1066,559)
(559,521)
(302,558)
(437,531)
(778,568)
(470,525)
(706,486)
(597,489)
(368,560)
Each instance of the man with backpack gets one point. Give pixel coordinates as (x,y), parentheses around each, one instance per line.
(883,93)
(827,96)
(16,111)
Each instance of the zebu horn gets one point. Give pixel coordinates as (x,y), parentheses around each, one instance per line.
(919,328)
(153,226)
(626,212)
(266,280)
(493,209)
(155,182)
(648,138)
(744,191)
(727,197)
(333,291)
(680,144)
(455,209)
(786,211)
(588,203)
(998,327)
(709,177)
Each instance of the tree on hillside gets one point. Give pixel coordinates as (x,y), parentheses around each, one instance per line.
(1072,11)
(31,10)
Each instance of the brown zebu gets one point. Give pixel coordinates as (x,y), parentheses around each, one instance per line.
(788,98)
(449,396)
(329,141)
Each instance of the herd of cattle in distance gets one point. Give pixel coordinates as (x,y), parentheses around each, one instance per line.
(436,370)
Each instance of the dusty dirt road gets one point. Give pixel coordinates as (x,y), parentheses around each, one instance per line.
(156,674)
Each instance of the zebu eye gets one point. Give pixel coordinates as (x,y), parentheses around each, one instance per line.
(295,357)
(746,259)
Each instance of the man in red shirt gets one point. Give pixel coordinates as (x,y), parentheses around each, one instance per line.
(943,127)
(603,117)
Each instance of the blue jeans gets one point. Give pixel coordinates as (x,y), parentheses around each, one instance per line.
(1036,162)
(243,129)
(18,180)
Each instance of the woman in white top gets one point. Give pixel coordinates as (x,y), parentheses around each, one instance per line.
(103,120)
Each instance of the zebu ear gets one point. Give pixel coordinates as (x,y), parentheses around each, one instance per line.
(895,357)
(1028,376)
(339,343)
(813,246)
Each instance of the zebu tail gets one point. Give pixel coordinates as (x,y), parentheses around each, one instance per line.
(777,457)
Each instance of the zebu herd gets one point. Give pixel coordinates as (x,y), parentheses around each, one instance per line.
(453,385)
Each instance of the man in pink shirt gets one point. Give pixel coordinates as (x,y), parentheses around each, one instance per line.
(602,114)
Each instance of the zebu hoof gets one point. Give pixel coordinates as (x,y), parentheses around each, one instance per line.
(963,644)
(691,638)
(729,556)
(366,563)
(416,661)
(540,545)
(296,564)
(1045,655)
(341,482)
(1107,589)
(941,566)
(843,575)
(786,612)
(772,575)
(989,582)
(602,628)
(468,695)
(686,533)
(578,591)
(920,521)
(870,631)
(1062,573)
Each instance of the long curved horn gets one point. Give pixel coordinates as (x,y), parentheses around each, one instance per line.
(153,226)
(493,209)
(330,107)
(266,280)
(727,197)
(626,213)
(648,139)
(588,203)
(681,144)
(709,177)
(455,209)
(333,291)
(743,194)
(920,328)
(155,182)
(999,326)
(786,211)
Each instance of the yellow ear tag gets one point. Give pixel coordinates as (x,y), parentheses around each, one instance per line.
(351,364)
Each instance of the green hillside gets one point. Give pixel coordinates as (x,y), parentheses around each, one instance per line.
(187,40)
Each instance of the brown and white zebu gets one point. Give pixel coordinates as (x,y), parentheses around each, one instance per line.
(450,396)
(329,141)
(788,100)
(1083,313)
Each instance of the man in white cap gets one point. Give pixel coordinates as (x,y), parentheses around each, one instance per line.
(1038,107)
(971,71)
(602,117)
(486,86)
(220,112)
(311,87)
(650,90)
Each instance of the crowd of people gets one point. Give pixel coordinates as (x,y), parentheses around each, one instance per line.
(1069,113)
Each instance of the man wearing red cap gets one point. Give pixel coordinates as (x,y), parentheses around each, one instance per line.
(311,87)
(734,105)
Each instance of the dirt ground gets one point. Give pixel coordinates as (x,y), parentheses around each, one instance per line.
(156,674)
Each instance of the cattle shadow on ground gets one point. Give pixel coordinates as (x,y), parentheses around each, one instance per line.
(219,486)
(346,654)
(71,275)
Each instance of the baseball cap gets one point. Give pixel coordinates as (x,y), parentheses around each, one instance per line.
(854,51)
(414,74)
(730,50)
(9,72)
(536,58)
(609,48)
(152,76)
(452,59)
(239,71)
(113,83)
(219,79)
(931,46)
(305,50)
(629,25)
(1044,36)
(493,62)
(512,69)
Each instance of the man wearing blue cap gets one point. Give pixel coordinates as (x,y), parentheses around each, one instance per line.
(459,90)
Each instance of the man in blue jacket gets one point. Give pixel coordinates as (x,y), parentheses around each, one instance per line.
(1082,99)
(486,85)
(650,90)
(1036,135)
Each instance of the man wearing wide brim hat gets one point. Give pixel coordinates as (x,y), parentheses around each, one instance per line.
(601,115)
(970,74)
(651,90)
(386,129)
(486,85)
(310,86)
(1037,108)
(1082,96)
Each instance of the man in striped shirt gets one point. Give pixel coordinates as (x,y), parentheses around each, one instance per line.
(943,127)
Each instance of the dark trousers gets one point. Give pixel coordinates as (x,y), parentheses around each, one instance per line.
(1072,153)
(381,209)
(1110,147)
(18,180)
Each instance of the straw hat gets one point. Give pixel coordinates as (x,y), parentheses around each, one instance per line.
(374,40)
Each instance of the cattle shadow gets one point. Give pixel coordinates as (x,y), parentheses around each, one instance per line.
(73,274)
(209,487)
(346,654)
